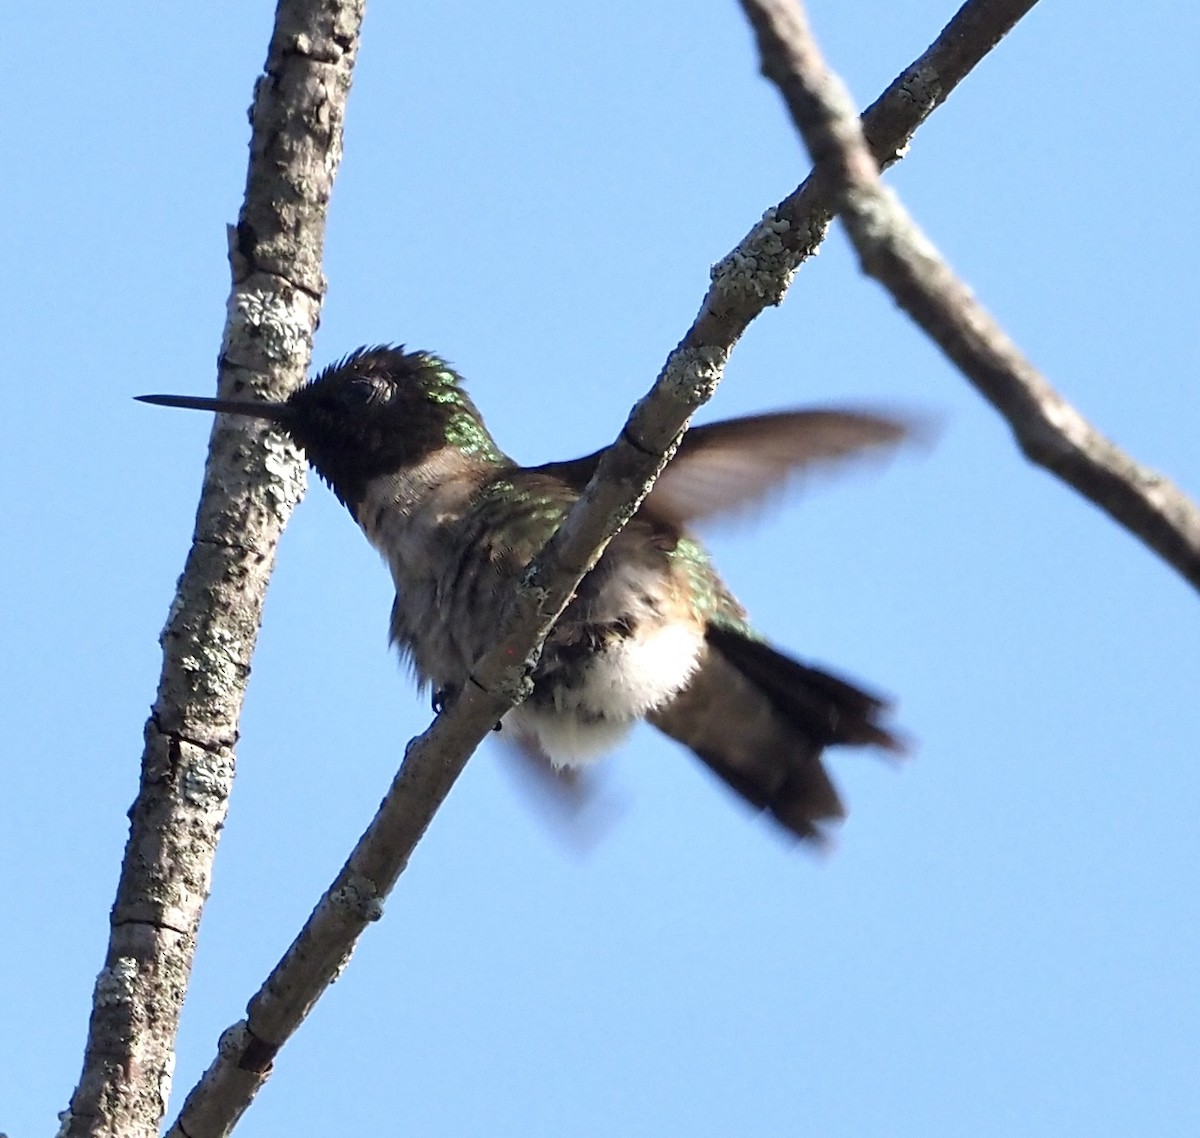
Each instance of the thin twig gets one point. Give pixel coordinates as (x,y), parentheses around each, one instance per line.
(250,489)
(895,252)
(753,276)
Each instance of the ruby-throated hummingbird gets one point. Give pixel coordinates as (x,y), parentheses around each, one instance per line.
(652,632)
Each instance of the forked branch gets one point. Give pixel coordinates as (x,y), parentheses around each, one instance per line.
(895,252)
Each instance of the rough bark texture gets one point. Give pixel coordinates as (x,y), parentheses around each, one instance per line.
(894,251)
(252,482)
(753,276)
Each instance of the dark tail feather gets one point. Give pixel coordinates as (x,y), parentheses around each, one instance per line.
(760,720)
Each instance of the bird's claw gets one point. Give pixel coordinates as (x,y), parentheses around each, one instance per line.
(442,698)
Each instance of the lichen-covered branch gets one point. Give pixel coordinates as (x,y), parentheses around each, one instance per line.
(895,252)
(757,273)
(252,482)
(753,276)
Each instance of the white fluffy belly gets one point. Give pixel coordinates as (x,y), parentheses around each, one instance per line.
(621,684)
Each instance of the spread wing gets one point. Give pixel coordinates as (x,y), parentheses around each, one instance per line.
(731,466)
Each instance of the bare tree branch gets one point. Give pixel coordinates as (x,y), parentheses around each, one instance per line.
(895,252)
(792,231)
(251,484)
(756,274)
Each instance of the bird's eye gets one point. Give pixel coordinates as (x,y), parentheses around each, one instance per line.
(361,391)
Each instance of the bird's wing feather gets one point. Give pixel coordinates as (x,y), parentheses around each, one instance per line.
(732,466)
(727,467)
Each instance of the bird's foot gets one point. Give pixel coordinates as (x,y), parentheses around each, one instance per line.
(441,701)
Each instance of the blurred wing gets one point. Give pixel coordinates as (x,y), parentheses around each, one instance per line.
(573,803)
(727,467)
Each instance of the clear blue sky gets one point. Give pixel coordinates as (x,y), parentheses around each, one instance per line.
(1005,941)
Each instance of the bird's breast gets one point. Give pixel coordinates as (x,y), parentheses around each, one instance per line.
(626,644)
(419,521)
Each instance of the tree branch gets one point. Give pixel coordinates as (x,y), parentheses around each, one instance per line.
(894,251)
(793,230)
(754,275)
(251,484)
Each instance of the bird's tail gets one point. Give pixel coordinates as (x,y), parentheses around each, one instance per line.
(760,720)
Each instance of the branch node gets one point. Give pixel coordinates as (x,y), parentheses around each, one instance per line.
(250,1052)
(634,442)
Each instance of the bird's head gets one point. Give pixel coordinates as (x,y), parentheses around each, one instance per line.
(376,412)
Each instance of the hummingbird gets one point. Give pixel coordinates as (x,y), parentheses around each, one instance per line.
(652,631)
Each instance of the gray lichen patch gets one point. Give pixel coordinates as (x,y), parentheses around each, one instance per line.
(360,896)
(234,1039)
(692,374)
(207,778)
(923,85)
(761,267)
(513,684)
(217,663)
(262,322)
(115,984)
(284,463)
